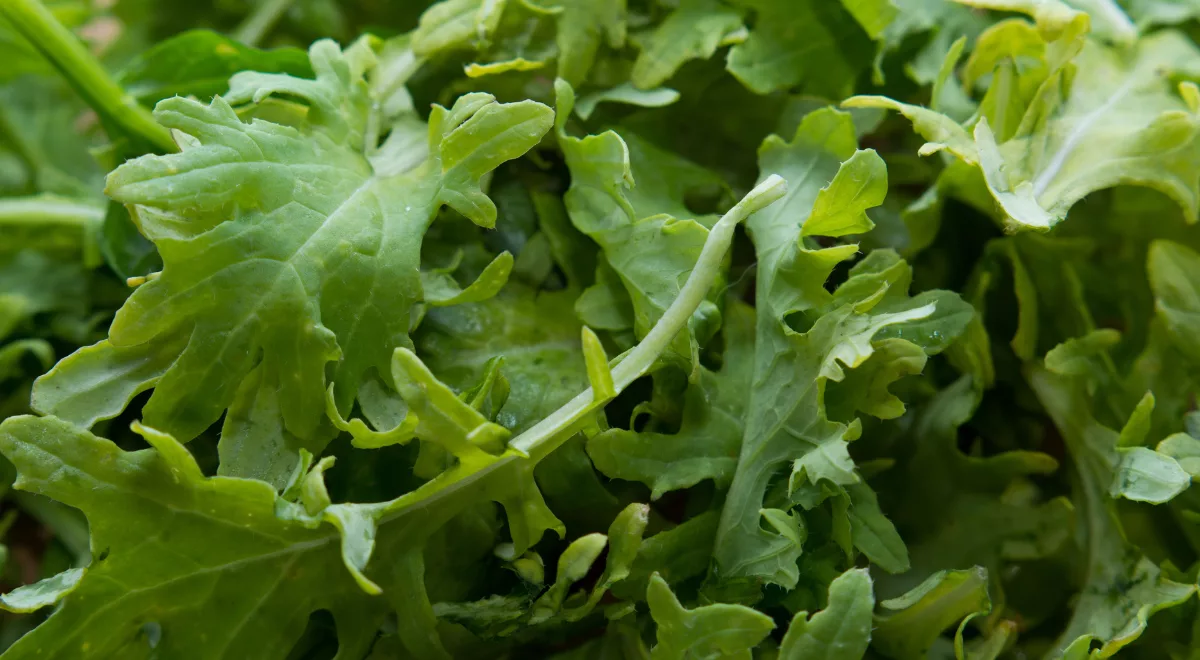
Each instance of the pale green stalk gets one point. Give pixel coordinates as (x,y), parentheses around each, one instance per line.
(83,71)
(639,360)
(259,23)
(539,440)
(46,210)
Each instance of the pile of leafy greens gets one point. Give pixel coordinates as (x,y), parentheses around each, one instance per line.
(599,329)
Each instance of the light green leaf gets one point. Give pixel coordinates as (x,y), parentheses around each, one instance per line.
(711,631)
(693,30)
(456,24)
(875,16)
(842,630)
(1145,475)
(624,544)
(315,208)
(599,375)
(1018,201)
(865,389)
(582,26)
(793,42)
(629,95)
(477,70)
(1134,432)
(33,597)
(941,132)
(441,289)
(1053,16)
(841,207)
(1185,449)
(1080,356)
(1114,117)
(573,566)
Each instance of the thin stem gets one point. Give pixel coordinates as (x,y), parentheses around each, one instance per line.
(83,71)
(540,439)
(639,360)
(48,210)
(259,23)
(61,217)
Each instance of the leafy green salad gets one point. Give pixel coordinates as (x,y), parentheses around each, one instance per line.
(599,329)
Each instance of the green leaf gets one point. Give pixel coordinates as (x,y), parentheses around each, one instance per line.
(872,533)
(624,544)
(710,435)
(865,389)
(1174,271)
(573,565)
(536,334)
(891,22)
(693,30)
(786,421)
(33,597)
(842,630)
(288,241)
(410,333)
(1185,449)
(455,24)
(441,289)
(583,25)
(200,63)
(627,94)
(675,555)
(1080,356)
(651,250)
(1138,427)
(940,132)
(797,42)
(841,207)
(159,495)
(1116,119)
(711,631)
(906,627)
(1122,587)
(1161,12)
(1145,475)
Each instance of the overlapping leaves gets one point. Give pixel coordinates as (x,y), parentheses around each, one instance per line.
(807,337)
(393,363)
(1085,116)
(283,245)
